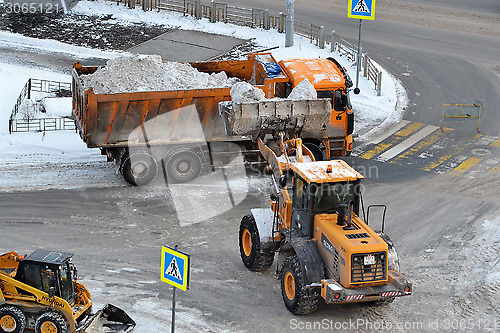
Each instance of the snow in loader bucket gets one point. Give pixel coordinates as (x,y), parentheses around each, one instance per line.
(109,319)
(272,116)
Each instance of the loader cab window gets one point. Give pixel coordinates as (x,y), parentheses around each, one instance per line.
(300,200)
(48,278)
(327,196)
(67,292)
(301,212)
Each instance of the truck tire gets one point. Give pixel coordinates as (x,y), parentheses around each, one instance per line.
(296,298)
(182,166)
(12,320)
(253,254)
(51,322)
(315,150)
(139,168)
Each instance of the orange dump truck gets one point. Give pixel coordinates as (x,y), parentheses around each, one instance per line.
(181,131)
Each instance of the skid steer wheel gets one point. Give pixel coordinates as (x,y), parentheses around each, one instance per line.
(139,168)
(297,299)
(12,320)
(51,322)
(315,150)
(253,255)
(182,166)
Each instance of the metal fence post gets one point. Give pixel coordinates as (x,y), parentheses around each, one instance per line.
(281,27)
(321,37)
(266,19)
(197,9)
(332,44)
(29,88)
(212,11)
(365,66)
(379,84)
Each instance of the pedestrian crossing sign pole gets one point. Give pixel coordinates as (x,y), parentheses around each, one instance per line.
(175,272)
(362,10)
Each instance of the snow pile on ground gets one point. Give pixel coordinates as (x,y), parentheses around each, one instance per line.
(134,73)
(304,90)
(491,240)
(244,92)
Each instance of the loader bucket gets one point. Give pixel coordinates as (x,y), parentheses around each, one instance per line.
(109,319)
(256,119)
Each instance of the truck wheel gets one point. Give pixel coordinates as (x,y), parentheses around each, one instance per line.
(315,150)
(253,255)
(51,322)
(297,299)
(12,320)
(139,168)
(183,166)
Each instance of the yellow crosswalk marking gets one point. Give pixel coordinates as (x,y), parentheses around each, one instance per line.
(467,164)
(444,158)
(378,149)
(425,143)
(495,168)
(410,129)
(496,143)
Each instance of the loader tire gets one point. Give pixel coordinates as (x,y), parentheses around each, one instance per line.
(139,168)
(253,255)
(12,320)
(51,322)
(297,299)
(183,166)
(315,150)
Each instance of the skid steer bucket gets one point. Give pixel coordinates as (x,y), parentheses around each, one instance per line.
(109,319)
(256,119)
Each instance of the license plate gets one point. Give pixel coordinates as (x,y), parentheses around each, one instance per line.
(369,260)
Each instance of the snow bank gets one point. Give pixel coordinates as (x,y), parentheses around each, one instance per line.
(304,90)
(148,73)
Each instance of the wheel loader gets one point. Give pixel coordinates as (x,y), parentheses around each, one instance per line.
(41,292)
(325,250)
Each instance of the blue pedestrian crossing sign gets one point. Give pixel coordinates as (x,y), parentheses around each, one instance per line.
(361,9)
(175,268)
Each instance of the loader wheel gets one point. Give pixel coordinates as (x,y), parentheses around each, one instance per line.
(12,320)
(51,322)
(315,150)
(183,166)
(253,255)
(297,299)
(139,169)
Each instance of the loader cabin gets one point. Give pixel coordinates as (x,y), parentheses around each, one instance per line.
(49,271)
(325,195)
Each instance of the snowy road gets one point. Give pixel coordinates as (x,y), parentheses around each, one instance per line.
(63,196)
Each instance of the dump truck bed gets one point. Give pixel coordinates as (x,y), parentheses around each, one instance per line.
(112,120)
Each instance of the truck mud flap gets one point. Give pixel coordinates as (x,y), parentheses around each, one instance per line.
(109,319)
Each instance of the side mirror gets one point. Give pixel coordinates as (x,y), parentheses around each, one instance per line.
(282,181)
(52,292)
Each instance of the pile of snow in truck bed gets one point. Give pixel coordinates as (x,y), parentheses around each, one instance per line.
(148,73)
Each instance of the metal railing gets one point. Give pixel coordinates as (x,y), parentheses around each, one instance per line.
(42,125)
(372,73)
(260,18)
(61,89)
